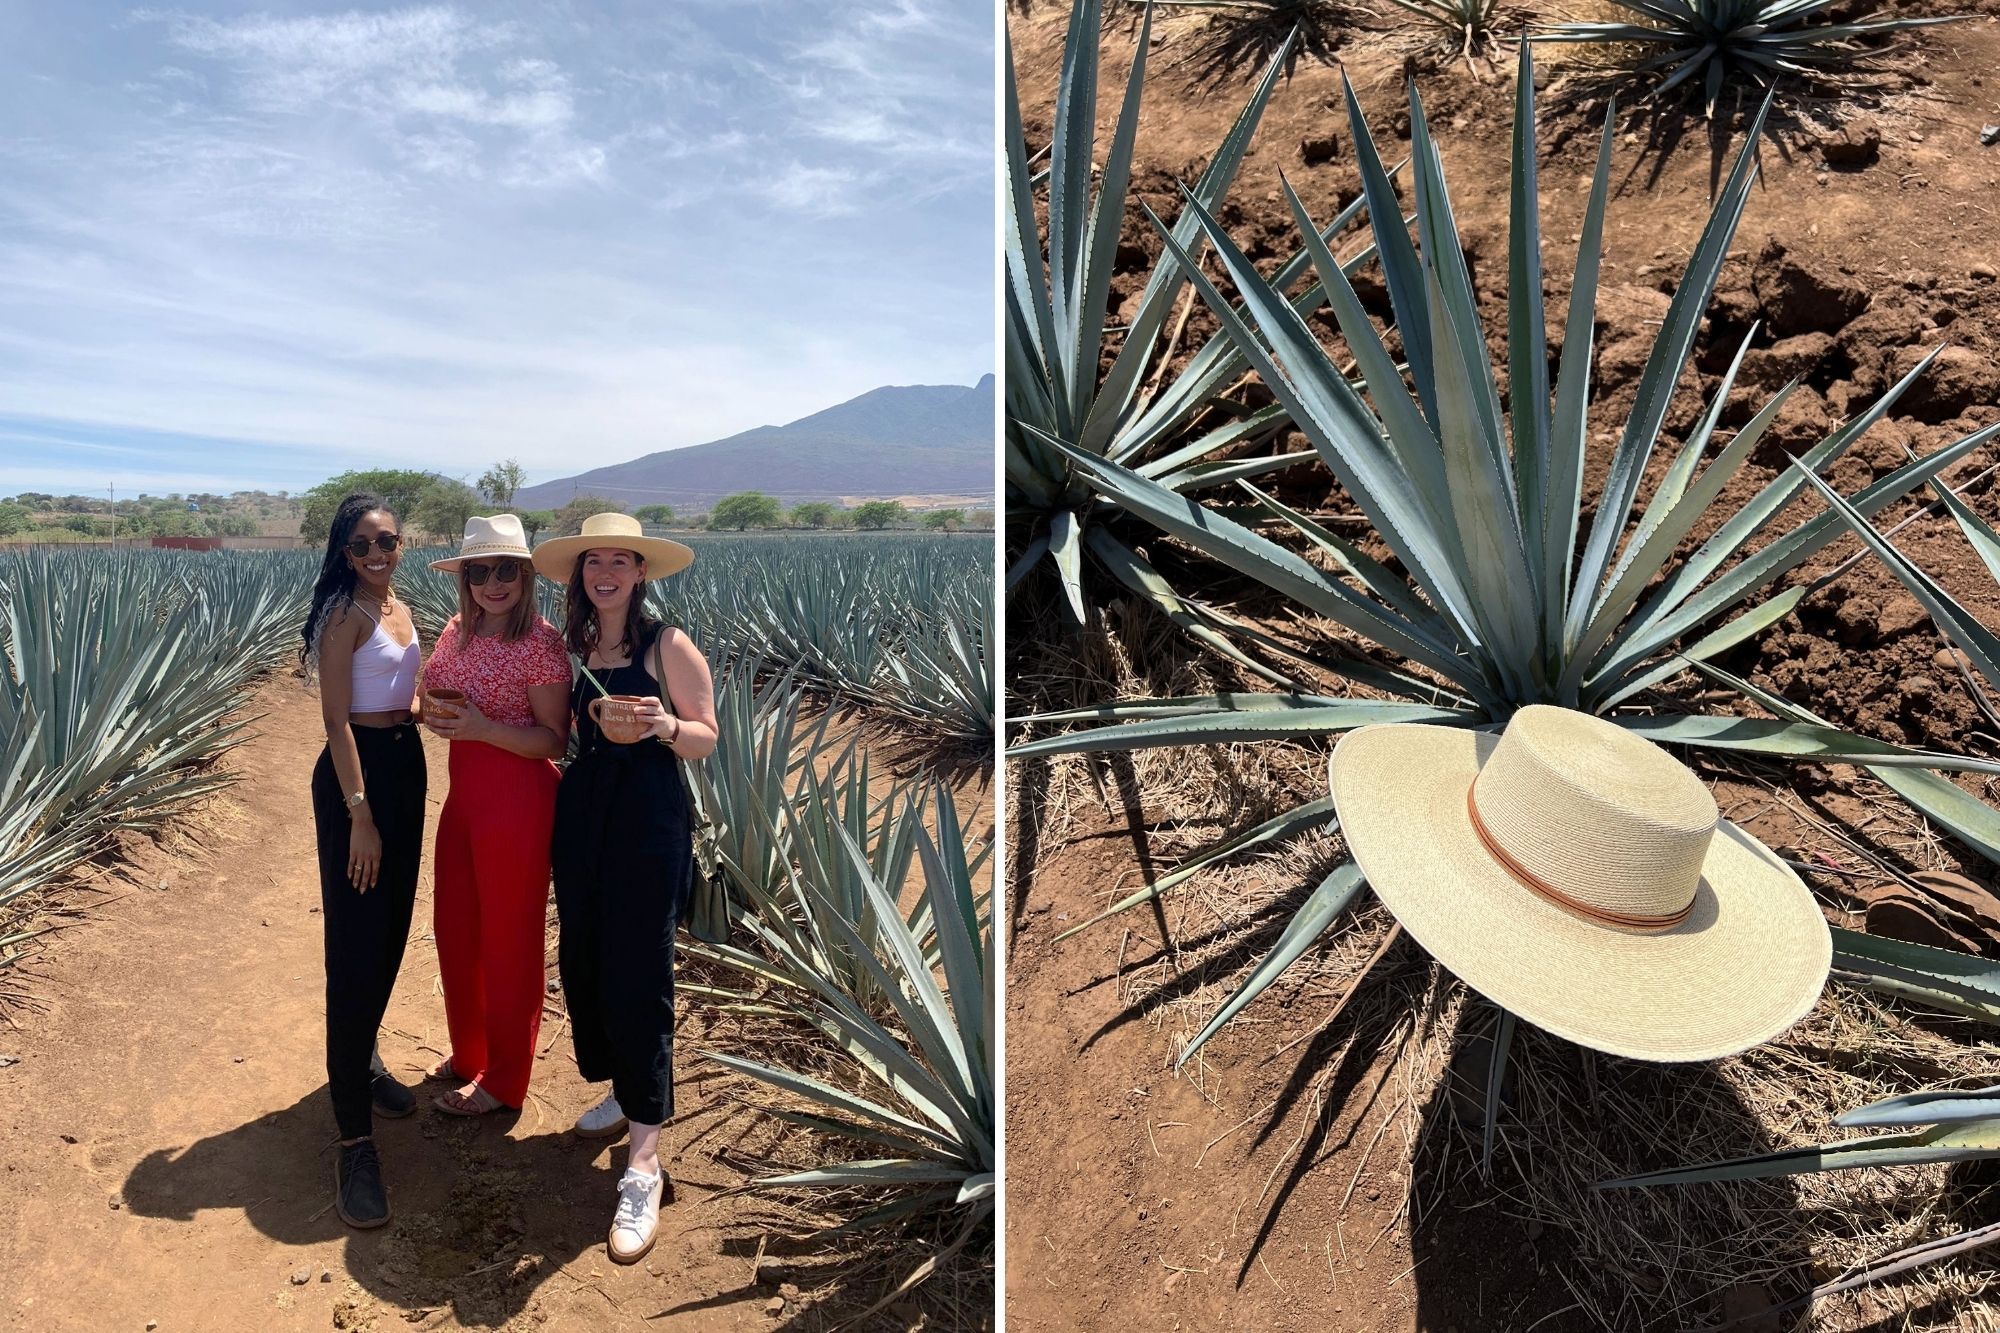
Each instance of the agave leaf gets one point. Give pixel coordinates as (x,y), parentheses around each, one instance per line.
(872,1173)
(1091,287)
(1974,822)
(1182,706)
(1251,554)
(1773,561)
(1137,574)
(1984,541)
(1908,1257)
(1663,369)
(1063,530)
(1943,978)
(1946,1143)
(1409,435)
(1326,409)
(1736,630)
(1263,724)
(1960,626)
(1372,574)
(1926,1108)
(1311,815)
(1804,741)
(1318,912)
(1752,518)
(1563,497)
(1527,338)
(1496,1081)
(828,1095)
(1400,268)
(1480,498)
(1164,284)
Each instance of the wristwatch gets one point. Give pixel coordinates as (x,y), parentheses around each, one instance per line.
(354,801)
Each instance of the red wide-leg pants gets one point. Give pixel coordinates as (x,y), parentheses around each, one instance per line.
(490,909)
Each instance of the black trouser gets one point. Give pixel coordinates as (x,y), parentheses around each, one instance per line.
(621,856)
(366,932)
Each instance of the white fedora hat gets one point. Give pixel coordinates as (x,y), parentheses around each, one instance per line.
(1581,878)
(620,532)
(497,538)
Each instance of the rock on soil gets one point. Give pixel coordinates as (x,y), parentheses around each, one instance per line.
(1958,381)
(1802,297)
(1768,368)
(1852,146)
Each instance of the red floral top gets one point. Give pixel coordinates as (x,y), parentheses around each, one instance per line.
(496,675)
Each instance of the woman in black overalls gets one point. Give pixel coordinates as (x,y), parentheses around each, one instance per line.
(623,848)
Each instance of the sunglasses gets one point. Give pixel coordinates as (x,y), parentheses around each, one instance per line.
(506,571)
(384,541)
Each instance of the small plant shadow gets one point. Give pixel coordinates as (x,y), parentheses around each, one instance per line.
(1244,35)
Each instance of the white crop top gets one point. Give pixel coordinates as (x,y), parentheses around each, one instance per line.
(385,673)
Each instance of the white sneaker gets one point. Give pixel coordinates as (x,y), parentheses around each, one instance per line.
(637,1220)
(603,1120)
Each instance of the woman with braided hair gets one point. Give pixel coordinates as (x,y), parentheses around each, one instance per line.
(368,813)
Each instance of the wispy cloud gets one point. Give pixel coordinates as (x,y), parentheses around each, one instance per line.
(420,234)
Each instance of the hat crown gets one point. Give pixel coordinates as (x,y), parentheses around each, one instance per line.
(612,525)
(1602,816)
(500,532)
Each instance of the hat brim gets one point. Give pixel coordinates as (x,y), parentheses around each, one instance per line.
(1747,963)
(452,562)
(556,558)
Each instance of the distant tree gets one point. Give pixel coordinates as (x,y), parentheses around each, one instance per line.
(569,519)
(745,509)
(238,525)
(443,508)
(13,518)
(945,520)
(499,482)
(400,490)
(534,520)
(654,514)
(981,519)
(878,514)
(80,523)
(812,514)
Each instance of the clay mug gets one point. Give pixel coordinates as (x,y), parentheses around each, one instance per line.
(617,716)
(444,702)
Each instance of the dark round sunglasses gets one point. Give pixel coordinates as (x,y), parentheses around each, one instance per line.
(384,541)
(506,571)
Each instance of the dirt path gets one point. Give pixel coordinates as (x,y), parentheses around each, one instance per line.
(165,1133)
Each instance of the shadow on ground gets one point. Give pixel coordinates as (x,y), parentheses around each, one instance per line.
(479,1221)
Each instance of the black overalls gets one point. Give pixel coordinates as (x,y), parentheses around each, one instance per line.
(621,853)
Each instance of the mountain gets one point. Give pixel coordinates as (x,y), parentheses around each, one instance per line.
(906,440)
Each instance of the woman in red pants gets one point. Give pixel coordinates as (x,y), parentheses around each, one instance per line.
(491,866)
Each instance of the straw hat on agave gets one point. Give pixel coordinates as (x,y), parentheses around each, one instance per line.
(556,558)
(1582,879)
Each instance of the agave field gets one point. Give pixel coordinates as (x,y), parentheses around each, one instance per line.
(852,991)
(1347,395)
(124,669)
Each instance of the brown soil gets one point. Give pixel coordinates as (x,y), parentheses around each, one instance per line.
(165,1133)
(1301,1175)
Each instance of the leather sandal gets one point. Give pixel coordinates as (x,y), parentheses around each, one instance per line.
(463,1104)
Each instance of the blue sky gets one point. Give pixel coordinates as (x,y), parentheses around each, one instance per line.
(246,247)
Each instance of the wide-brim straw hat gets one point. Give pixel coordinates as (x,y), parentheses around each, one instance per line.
(500,537)
(1582,879)
(556,558)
